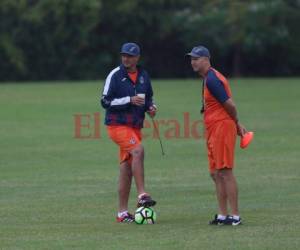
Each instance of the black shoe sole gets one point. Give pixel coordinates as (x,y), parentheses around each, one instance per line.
(147,204)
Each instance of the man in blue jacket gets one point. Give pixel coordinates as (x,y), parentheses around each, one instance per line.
(127,95)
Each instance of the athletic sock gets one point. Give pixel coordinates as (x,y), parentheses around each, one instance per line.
(221,217)
(141,195)
(123,213)
(235,217)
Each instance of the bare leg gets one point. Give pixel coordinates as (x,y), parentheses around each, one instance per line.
(220,192)
(231,189)
(124,185)
(138,168)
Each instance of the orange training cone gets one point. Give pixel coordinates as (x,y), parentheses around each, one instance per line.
(246,139)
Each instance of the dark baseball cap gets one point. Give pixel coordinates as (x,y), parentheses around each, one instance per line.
(130,49)
(199,51)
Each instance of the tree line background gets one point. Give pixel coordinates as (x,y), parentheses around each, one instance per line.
(81,39)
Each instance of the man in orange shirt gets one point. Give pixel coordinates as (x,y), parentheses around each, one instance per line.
(127,95)
(221,127)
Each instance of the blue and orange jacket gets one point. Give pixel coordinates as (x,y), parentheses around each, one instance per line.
(116,95)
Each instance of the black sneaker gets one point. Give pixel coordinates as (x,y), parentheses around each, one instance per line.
(216,221)
(146,201)
(127,218)
(231,221)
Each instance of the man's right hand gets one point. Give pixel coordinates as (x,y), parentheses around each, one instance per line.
(136,100)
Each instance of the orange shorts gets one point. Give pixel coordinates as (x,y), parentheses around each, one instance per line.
(127,138)
(220,142)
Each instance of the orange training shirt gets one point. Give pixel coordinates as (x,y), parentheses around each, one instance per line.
(213,109)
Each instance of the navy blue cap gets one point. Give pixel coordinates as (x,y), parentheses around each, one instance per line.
(199,51)
(130,49)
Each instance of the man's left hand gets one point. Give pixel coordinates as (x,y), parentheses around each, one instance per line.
(241,130)
(152,111)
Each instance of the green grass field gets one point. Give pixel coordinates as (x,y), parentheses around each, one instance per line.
(58,192)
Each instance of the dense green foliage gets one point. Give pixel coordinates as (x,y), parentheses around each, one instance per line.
(81,39)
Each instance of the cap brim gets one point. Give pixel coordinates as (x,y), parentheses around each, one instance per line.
(246,139)
(130,54)
(191,54)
